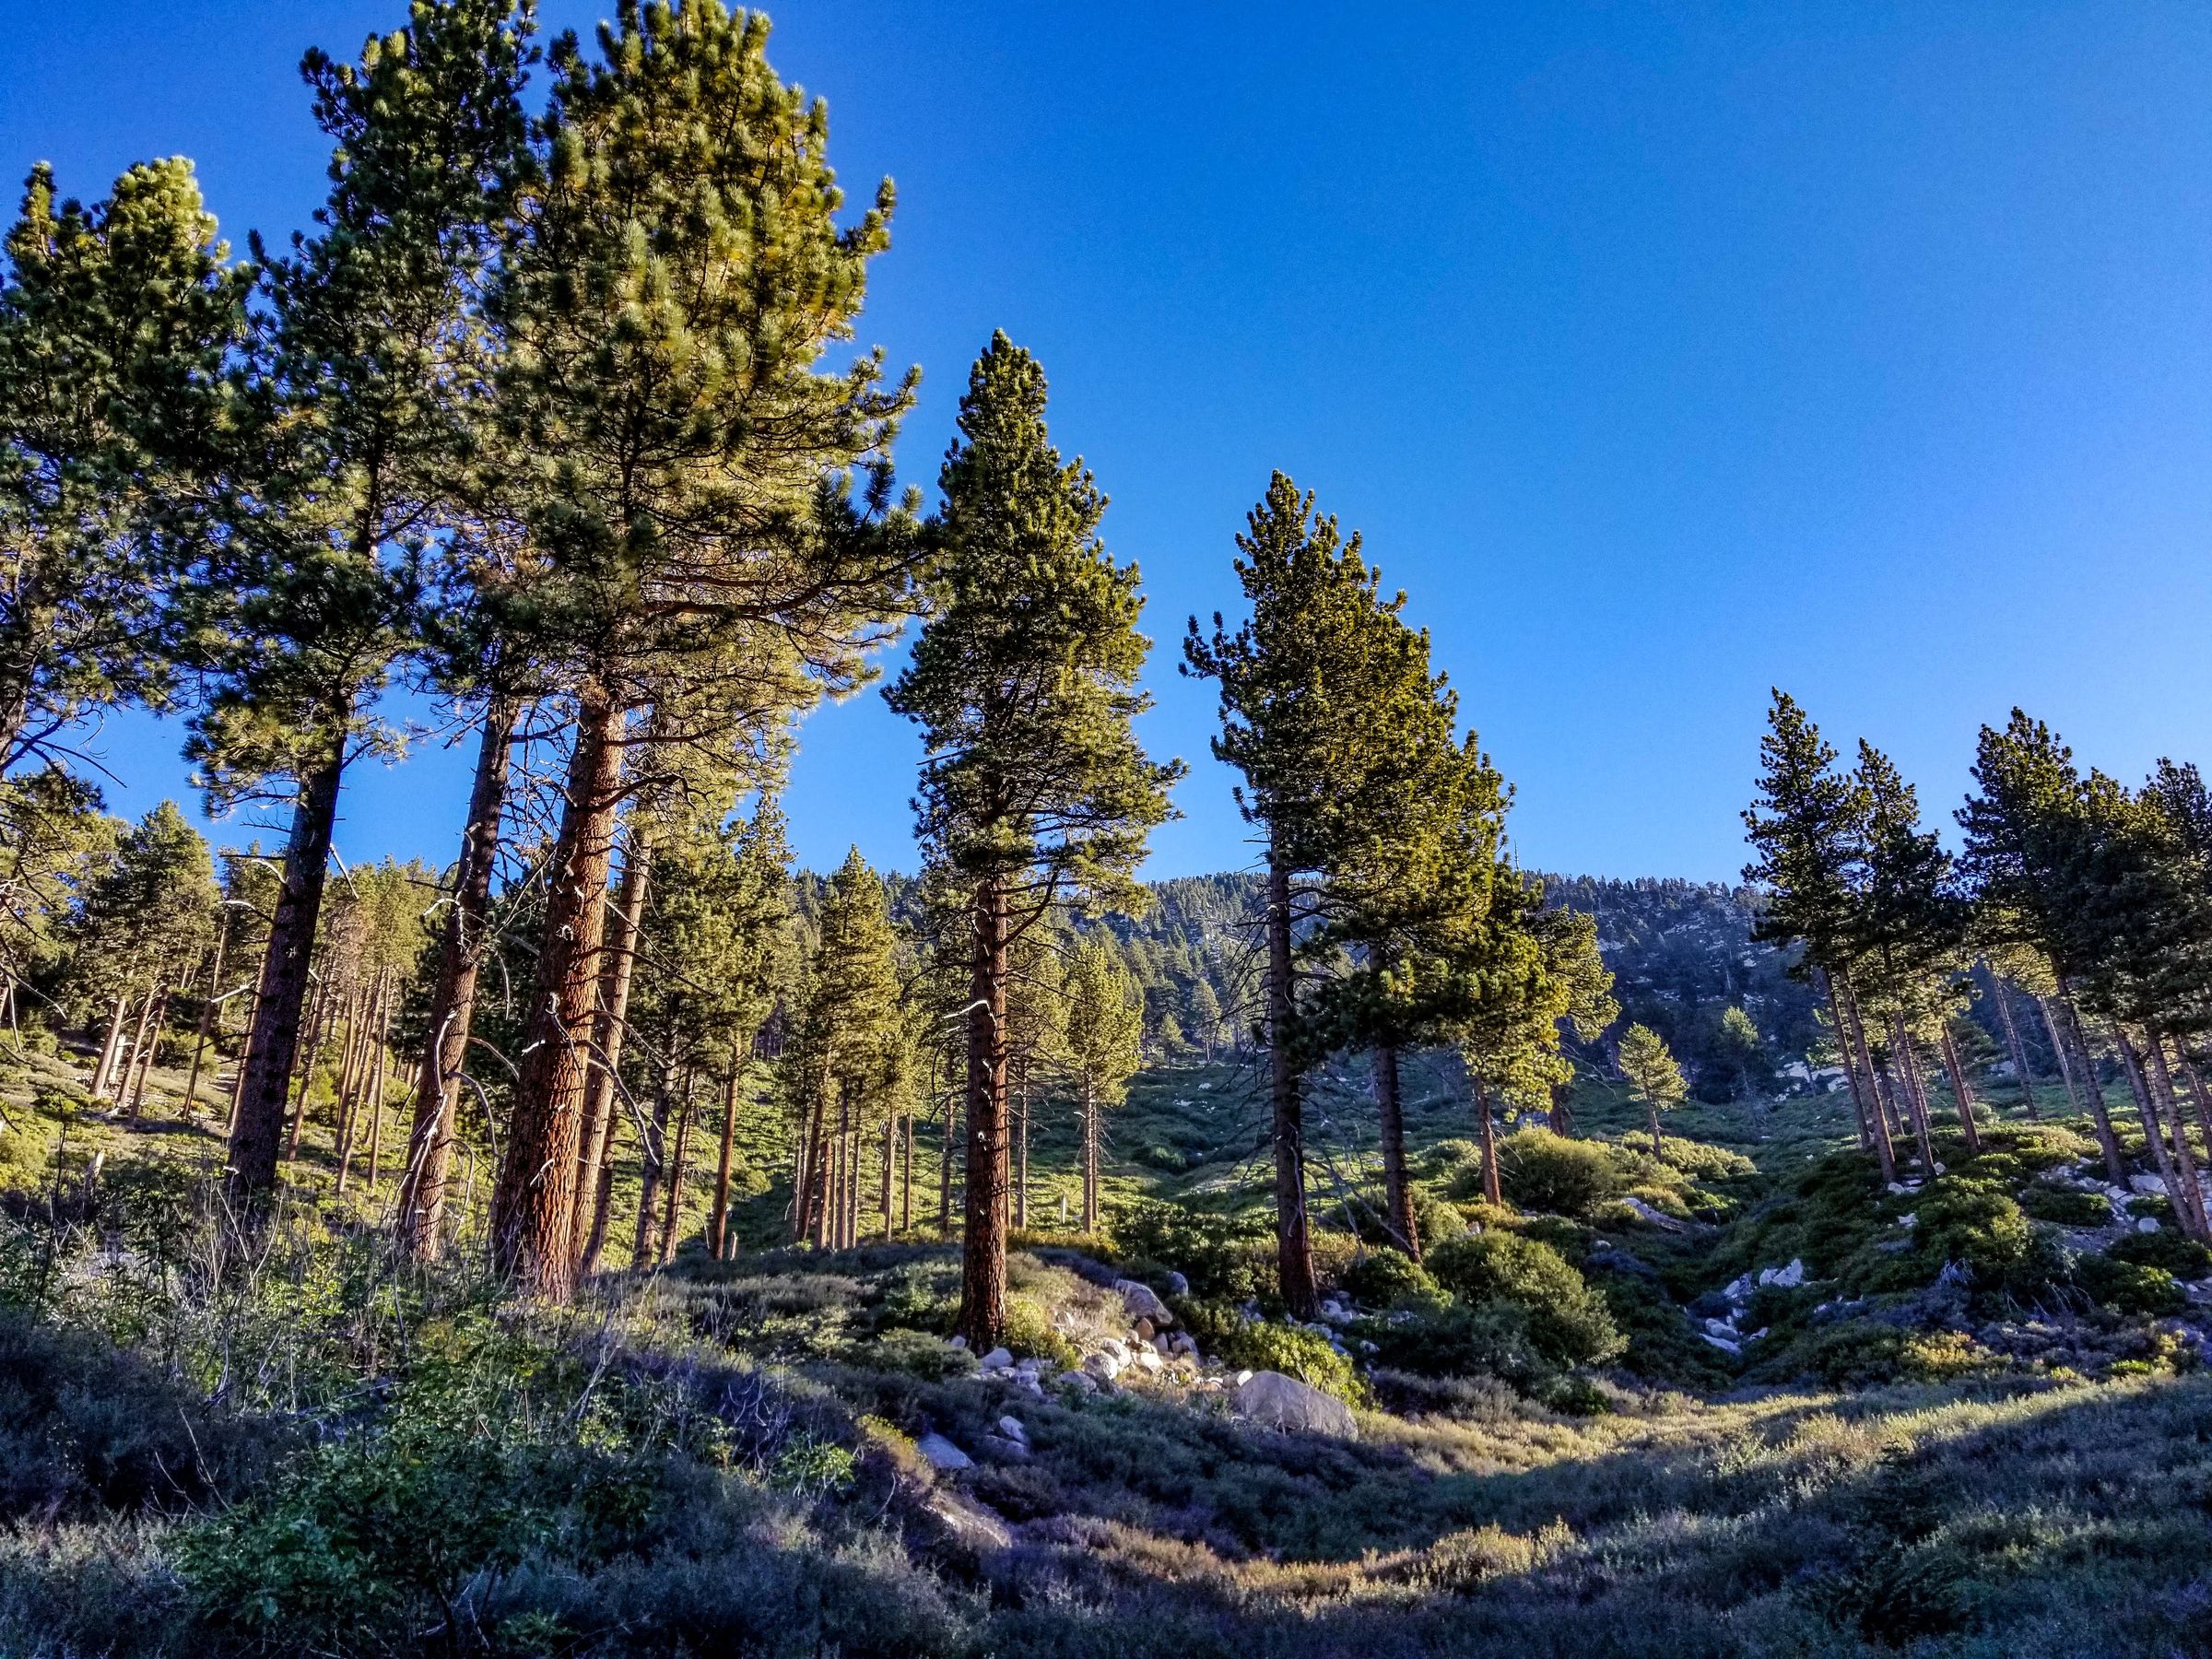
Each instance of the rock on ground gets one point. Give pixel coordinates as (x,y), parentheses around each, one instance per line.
(1284,1402)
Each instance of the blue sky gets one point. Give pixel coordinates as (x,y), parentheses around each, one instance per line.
(1663,353)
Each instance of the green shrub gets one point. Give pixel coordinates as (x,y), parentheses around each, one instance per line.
(1382,1278)
(1858,1353)
(1437,1219)
(2065,1205)
(1567,1322)
(1700,1160)
(1028,1333)
(1545,1172)
(1257,1345)
(1978,1225)
(1222,1255)
(1439,1336)
(2130,1286)
(914,1353)
(2183,1258)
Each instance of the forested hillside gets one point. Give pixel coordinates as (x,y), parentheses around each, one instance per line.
(623,1241)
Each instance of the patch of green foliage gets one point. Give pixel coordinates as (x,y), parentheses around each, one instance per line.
(1568,1323)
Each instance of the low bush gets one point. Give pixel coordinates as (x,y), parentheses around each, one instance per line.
(2183,1258)
(2065,1205)
(1261,1345)
(1439,1336)
(1029,1333)
(1225,1256)
(1568,1323)
(2129,1287)
(1979,1225)
(1382,1278)
(1545,1172)
(1860,1353)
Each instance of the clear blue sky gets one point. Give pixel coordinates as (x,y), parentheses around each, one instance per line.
(1661,353)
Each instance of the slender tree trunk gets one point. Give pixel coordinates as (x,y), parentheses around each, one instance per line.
(207,1014)
(1493,1189)
(378,1074)
(982,1316)
(2198,1099)
(452,1014)
(1908,1076)
(149,1041)
(1021,1183)
(315,1034)
(103,1073)
(1851,1064)
(1658,1145)
(2154,1131)
(1964,1095)
(1884,1149)
(533,1203)
(238,1075)
(610,1022)
(273,1049)
(595,1243)
(650,1158)
(1090,1159)
(945,1173)
(810,1217)
(1390,1113)
(672,1222)
(718,1224)
(2115,1166)
(2061,1052)
(1294,1248)
(906,1181)
(2170,1105)
(891,1132)
(2013,1042)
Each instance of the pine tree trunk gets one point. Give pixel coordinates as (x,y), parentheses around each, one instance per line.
(650,1155)
(718,1223)
(906,1182)
(1022,1183)
(103,1072)
(2013,1042)
(1294,1248)
(238,1075)
(672,1221)
(273,1049)
(1851,1064)
(1916,1100)
(142,1047)
(890,1131)
(982,1316)
(1090,1159)
(603,1204)
(452,1013)
(2198,1099)
(533,1202)
(1658,1146)
(378,1073)
(315,1034)
(1855,1038)
(609,1025)
(945,1173)
(2109,1143)
(2061,1054)
(206,1019)
(2170,1105)
(1389,1114)
(1964,1095)
(2154,1131)
(1493,1189)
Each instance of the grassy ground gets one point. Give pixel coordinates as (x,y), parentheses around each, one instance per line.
(309,1449)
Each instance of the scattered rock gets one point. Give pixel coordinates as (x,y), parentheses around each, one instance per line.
(2147,1224)
(964,1524)
(942,1455)
(1006,1449)
(1178,1284)
(998,1359)
(1656,1218)
(1183,1343)
(1242,1378)
(1720,1342)
(959,1342)
(2153,1185)
(1143,1305)
(1283,1402)
(1784,1278)
(1147,1360)
(1143,1330)
(1077,1382)
(1013,1429)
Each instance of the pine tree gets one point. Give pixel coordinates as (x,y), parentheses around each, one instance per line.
(359,410)
(1034,792)
(116,323)
(677,276)
(1312,708)
(1808,827)
(1104,1049)
(1654,1078)
(847,1065)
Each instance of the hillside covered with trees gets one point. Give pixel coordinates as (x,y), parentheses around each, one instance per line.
(622,1240)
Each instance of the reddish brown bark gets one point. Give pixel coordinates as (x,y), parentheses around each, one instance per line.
(533,1202)
(983,1317)
(461,951)
(610,1025)
(273,1047)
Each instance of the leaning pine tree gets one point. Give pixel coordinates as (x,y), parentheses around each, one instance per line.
(1033,792)
(678,273)
(1318,688)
